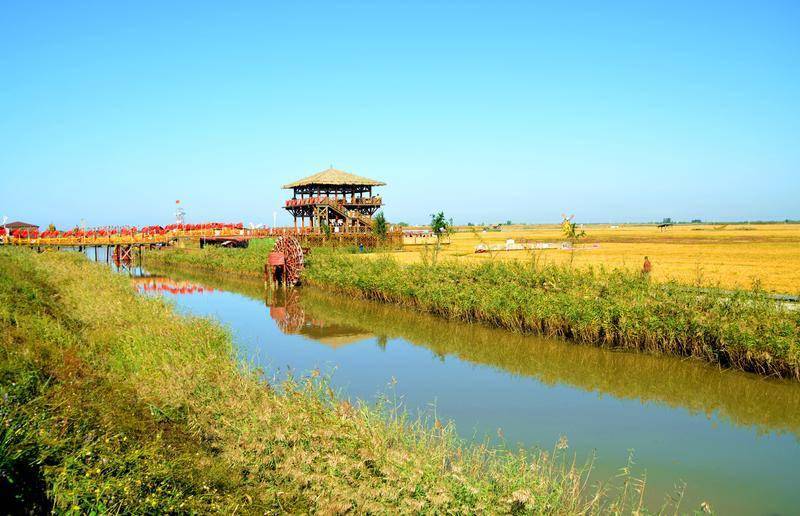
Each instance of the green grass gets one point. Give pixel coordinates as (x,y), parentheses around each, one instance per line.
(744,330)
(248,261)
(113,402)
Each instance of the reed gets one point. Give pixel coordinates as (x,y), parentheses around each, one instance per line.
(742,329)
(113,402)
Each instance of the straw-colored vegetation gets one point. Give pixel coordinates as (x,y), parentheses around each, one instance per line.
(730,256)
(743,330)
(112,402)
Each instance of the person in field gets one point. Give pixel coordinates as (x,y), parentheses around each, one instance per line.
(646,268)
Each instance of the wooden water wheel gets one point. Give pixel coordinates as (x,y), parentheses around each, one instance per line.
(288,250)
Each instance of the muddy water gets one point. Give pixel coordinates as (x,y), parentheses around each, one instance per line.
(732,438)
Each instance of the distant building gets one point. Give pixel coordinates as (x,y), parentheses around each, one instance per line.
(11,226)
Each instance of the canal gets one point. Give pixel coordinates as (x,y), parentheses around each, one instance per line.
(731,438)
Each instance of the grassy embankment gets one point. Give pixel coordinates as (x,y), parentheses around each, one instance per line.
(248,261)
(111,401)
(743,330)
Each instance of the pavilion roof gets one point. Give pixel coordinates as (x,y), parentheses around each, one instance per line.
(19,224)
(334,177)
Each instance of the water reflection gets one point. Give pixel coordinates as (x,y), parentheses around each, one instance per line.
(741,398)
(147,284)
(768,405)
(293,319)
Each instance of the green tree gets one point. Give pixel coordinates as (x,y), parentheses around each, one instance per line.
(571,231)
(379,226)
(440,225)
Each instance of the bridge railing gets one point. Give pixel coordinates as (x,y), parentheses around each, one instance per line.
(168,236)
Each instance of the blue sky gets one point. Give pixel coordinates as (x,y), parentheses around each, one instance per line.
(614,111)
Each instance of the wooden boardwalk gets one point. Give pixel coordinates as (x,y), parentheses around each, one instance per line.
(136,239)
(233,236)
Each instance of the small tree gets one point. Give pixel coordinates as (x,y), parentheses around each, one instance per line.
(571,231)
(440,225)
(379,226)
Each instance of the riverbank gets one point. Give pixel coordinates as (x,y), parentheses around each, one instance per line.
(743,330)
(113,401)
(742,399)
(247,261)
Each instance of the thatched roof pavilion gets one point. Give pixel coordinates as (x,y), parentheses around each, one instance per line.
(333,177)
(334,199)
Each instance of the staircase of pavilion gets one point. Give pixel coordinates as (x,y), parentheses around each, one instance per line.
(343,212)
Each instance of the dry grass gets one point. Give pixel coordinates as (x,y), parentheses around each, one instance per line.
(729,256)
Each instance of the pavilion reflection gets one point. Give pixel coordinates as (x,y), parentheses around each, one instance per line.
(292,318)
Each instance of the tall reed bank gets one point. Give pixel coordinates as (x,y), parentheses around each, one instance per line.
(743,329)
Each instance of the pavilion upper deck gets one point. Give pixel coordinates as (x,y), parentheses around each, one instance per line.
(351,202)
(333,199)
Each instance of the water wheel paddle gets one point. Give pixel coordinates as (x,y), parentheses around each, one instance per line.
(292,252)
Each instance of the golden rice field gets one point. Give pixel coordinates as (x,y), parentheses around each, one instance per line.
(731,256)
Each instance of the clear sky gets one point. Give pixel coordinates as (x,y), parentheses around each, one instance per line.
(614,111)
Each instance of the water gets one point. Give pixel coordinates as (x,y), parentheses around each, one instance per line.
(731,437)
